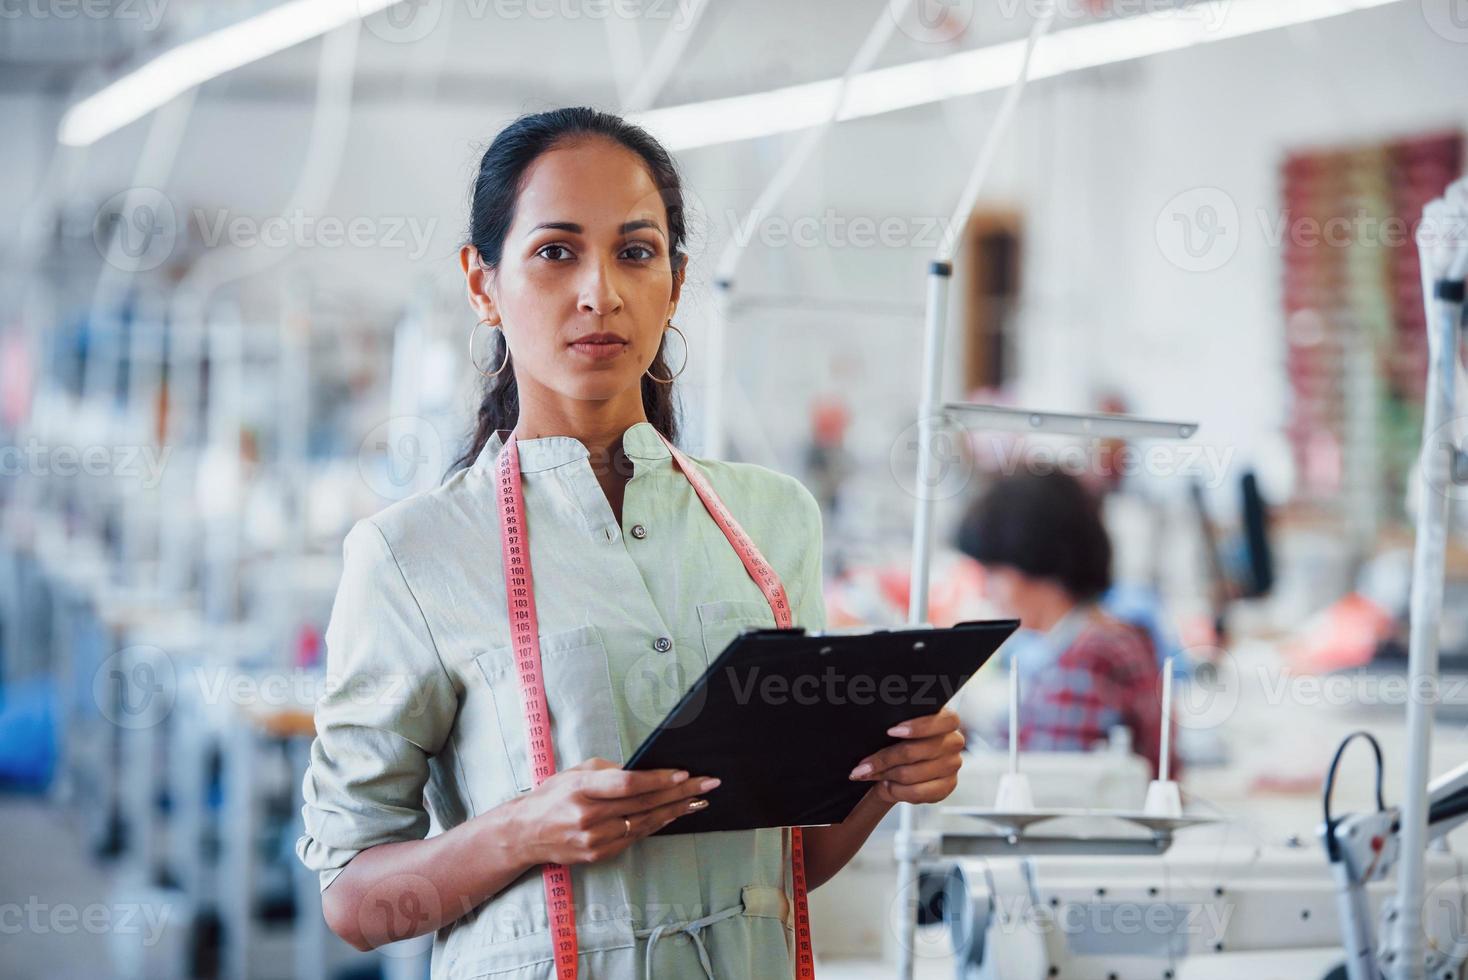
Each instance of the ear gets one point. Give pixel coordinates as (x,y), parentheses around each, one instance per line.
(479,283)
(678,278)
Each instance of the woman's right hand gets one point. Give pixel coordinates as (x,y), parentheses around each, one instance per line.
(596,809)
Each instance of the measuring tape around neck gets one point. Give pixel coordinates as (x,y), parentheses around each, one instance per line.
(525,638)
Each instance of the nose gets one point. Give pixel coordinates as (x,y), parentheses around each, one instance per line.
(599,290)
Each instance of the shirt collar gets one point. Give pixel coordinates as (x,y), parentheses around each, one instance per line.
(641,441)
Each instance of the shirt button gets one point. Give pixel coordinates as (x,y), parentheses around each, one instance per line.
(662,644)
(639,532)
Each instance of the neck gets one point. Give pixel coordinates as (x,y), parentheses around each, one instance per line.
(597,425)
(1050,608)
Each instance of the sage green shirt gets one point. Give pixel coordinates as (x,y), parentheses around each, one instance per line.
(422,727)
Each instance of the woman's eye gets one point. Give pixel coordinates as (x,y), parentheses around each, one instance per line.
(556,253)
(639,252)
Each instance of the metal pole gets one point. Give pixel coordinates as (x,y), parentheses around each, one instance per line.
(930,417)
(1405,954)
(930,420)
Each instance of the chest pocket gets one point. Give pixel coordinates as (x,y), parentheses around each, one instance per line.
(723,620)
(578,692)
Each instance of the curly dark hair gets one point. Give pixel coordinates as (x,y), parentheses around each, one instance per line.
(1044,525)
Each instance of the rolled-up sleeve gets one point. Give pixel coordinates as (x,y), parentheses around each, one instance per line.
(386,707)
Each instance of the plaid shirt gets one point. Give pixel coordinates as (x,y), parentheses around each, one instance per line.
(1107,676)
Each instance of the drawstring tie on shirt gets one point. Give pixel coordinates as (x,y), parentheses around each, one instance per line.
(693,927)
(758,900)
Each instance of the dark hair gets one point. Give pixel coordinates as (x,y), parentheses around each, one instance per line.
(492,203)
(1044,525)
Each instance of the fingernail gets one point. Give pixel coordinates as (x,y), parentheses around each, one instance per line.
(861,770)
(898,730)
(679,776)
(697,804)
(708,784)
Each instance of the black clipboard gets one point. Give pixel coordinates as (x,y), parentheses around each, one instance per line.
(782,717)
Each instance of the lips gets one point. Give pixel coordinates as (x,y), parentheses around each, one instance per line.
(600,346)
(600,338)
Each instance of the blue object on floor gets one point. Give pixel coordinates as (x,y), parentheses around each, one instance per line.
(28,735)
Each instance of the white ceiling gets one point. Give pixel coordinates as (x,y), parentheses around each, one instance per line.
(507,50)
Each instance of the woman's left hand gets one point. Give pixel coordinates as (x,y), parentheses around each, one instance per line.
(921,769)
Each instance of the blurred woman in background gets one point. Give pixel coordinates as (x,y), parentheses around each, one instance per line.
(1047,561)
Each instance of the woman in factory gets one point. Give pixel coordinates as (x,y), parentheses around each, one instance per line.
(1047,560)
(424,810)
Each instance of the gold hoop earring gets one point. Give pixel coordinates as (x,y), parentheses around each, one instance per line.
(472,331)
(668,381)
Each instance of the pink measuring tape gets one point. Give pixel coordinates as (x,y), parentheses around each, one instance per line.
(525,637)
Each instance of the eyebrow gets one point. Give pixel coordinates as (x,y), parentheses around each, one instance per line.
(576,229)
